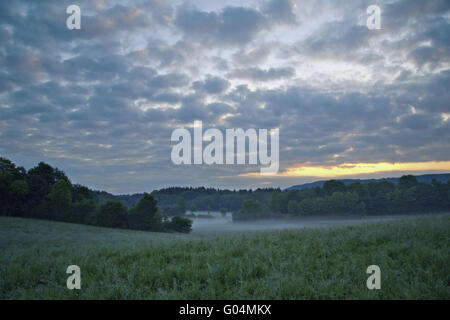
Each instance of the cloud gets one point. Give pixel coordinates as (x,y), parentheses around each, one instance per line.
(281,11)
(263,75)
(101,102)
(231,26)
(212,85)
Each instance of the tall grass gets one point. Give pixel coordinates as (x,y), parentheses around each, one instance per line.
(291,264)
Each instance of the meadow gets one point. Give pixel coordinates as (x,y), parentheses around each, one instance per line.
(310,263)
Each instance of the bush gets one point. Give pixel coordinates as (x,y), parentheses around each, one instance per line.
(180,224)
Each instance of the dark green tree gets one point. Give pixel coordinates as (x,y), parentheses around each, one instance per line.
(406,182)
(293,207)
(113,214)
(180,224)
(61,199)
(144,216)
(333,186)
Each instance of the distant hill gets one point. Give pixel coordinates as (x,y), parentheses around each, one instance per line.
(426,178)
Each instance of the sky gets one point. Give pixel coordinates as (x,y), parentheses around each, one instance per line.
(101,102)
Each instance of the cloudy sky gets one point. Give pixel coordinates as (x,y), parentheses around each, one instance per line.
(101,103)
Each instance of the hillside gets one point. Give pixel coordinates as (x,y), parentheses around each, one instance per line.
(426,178)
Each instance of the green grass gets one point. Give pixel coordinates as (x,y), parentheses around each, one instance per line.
(413,255)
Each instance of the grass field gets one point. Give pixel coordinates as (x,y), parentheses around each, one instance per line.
(331,263)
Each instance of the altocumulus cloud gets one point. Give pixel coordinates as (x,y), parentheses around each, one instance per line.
(101,102)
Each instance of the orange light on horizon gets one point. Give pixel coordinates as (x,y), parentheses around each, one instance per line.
(348,169)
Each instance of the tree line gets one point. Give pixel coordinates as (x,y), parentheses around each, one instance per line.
(44,192)
(408,196)
(178,200)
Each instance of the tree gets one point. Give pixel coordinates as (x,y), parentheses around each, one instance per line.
(61,199)
(18,192)
(6,165)
(19,188)
(80,193)
(251,209)
(251,206)
(41,179)
(408,181)
(276,202)
(144,215)
(292,207)
(48,175)
(180,206)
(306,207)
(113,214)
(83,212)
(13,189)
(333,186)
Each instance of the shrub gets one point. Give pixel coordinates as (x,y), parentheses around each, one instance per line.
(180,224)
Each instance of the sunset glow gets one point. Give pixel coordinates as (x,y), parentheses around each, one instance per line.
(348,169)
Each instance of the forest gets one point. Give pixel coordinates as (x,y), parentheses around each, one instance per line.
(45,192)
(408,196)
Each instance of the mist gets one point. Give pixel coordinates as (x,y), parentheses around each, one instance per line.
(219,225)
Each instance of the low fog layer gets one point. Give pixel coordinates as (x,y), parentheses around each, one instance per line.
(221,225)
